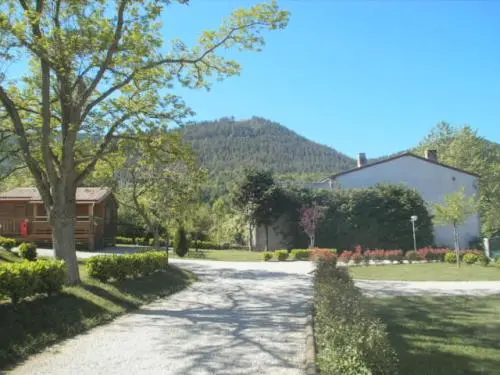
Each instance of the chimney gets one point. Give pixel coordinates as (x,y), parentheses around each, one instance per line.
(361,159)
(432,155)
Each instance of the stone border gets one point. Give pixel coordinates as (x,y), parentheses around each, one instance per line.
(310,355)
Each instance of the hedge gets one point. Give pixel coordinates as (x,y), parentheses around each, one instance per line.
(119,267)
(27,250)
(125,240)
(350,340)
(7,243)
(26,279)
(301,254)
(268,255)
(281,255)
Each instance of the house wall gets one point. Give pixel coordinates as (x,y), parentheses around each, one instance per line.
(432,181)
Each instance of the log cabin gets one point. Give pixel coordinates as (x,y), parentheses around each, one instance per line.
(23,217)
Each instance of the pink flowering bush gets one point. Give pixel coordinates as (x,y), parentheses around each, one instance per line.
(357,258)
(375,254)
(323,255)
(394,255)
(430,254)
(345,257)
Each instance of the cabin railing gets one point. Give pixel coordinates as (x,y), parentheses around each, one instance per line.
(40,227)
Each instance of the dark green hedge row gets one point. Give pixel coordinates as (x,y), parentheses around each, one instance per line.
(25,279)
(374,218)
(119,267)
(350,340)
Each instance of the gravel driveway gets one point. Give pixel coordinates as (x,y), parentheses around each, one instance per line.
(242,318)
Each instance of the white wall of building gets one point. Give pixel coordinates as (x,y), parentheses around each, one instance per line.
(432,181)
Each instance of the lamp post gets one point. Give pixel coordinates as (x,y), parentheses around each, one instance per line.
(413,219)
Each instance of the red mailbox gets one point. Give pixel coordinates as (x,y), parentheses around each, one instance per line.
(25,227)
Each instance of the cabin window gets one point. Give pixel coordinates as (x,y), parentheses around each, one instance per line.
(40,213)
(82,212)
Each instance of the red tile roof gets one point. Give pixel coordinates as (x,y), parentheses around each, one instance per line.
(83,194)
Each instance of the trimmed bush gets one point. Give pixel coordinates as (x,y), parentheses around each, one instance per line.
(119,267)
(141,241)
(483,260)
(345,257)
(26,279)
(301,254)
(281,255)
(27,250)
(268,255)
(181,246)
(375,255)
(470,258)
(162,242)
(323,254)
(349,339)
(394,255)
(357,258)
(125,240)
(7,243)
(430,254)
(450,257)
(412,256)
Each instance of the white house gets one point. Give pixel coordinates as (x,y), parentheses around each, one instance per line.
(433,180)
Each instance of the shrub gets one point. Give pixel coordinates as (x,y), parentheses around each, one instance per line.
(7,243)
(268,255)
(27,250)
(412,256)
(301,254)
(124,240)
(349,339)
(323,254)
(141,241)
(119,267)
(483,260)
(394,255)
(357,258)
(345,256)
(450,257)
(497,262)
(430,254)
(162,242)
(470,258)
(281,255)
(375,255)
(181,245)
(25,279)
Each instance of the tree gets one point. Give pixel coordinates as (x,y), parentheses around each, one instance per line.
(251,196)
(158,179)
(455,210)
(199,222)
(181,246)
(462,147)
(99,73)
(310,217)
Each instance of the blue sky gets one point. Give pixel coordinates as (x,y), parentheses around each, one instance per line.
(360,76)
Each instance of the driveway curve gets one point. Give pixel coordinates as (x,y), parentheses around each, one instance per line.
(241,318)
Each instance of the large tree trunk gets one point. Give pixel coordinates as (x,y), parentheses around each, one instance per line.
(267,238)
(62,220)
(250,237)
(456,243)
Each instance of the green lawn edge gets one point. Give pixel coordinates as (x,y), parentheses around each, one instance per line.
(33,325)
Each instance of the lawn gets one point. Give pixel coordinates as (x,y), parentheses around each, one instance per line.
(443,335)
(226,255)
(33,325)
(425,272)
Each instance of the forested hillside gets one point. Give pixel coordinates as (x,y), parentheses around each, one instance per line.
(226,145)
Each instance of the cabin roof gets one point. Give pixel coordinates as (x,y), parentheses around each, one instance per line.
(83,195)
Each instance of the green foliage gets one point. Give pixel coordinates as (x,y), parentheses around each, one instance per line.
(483,260)
(268,255)
(412,256)
(119,267)
(457,208)
(470,258)
(162,242)
(375,218)
(181,245)
(497,262)
(27,250)
(210,245)
(25,279)
(7,243)
(281,255)
(301,254)
(350,339)
(450,257)
(125,240)
(462,147)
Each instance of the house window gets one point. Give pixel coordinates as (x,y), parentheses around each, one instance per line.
(39,213)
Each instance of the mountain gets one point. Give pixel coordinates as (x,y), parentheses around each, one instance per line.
(227,145)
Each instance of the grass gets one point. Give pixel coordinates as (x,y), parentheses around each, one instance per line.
(6,256)
(443,335)
(426,272)
(225,255)
(35,324)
